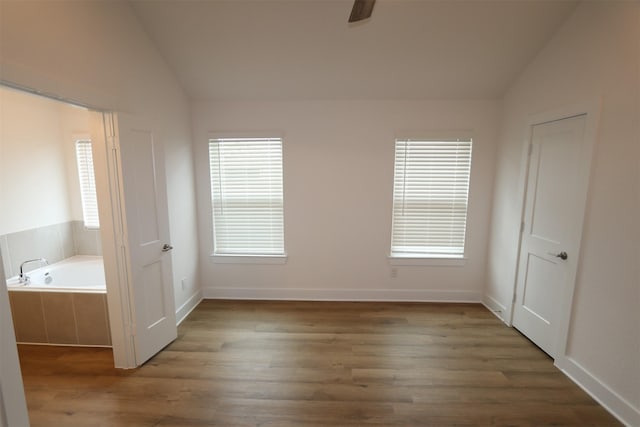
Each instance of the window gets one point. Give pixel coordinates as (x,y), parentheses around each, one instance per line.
(430,190)
(246,195)
(84,156)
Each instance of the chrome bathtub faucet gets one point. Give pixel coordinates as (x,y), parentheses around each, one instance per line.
(22,277)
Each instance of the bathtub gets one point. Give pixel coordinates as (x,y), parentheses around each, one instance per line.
(63,304)
(79,273)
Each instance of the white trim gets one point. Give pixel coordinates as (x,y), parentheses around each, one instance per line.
(499,310)
(521,197)
(389,295)
(19,70)
(248,259)
(428,261)
(113,234)
(429,135)
(13,405)
(215,134)
(189,305)
(620,408)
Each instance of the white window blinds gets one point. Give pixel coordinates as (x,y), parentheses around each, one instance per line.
(84,156)
(246,194)
(431,186)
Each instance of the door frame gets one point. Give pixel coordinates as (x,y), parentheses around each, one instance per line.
(591,109)
(13,405)
(112,225)
(115,251)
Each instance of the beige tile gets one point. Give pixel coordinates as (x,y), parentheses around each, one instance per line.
(86,240)
(6,257)
(66,239)
(98,243)
(48,243)
(91,318)
(59,317)
(28,320)
(22,246)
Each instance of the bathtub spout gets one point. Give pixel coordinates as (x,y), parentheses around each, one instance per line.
(23,278)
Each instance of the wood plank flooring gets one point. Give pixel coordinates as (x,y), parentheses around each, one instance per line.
(242,363)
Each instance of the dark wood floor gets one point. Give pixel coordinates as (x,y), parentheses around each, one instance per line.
(315,364)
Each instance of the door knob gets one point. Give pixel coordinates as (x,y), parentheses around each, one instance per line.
(167,247)
(562,255)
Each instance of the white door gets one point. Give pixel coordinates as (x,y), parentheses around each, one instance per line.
(554,210)
(147,234)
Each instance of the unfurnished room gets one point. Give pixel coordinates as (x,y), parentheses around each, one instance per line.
(319,213)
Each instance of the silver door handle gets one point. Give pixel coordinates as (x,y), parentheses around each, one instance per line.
(167,247)
(562,255)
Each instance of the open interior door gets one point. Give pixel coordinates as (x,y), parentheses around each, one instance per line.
(551,230)
(145,236)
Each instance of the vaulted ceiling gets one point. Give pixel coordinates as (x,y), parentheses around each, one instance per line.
(305,49)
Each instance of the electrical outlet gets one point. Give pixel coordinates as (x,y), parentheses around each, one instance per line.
(183,283)
(394,273)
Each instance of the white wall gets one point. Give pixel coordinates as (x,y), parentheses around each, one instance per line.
(33,163)
(338,178)
(38,171)
(95,52)
(595,54)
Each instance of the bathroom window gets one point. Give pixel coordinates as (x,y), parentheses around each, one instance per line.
(247,197)
(84,157)
(430,193)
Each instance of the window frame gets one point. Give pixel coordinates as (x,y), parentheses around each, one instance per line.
(431,259)
(223,258)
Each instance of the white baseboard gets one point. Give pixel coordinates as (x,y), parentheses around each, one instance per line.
(183,311)
(609,399)
(498,309)
(342,294)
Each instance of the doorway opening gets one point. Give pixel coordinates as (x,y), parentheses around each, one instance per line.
(49,227)
(127,162)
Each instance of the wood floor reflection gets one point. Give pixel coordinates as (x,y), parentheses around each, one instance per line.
(257,363)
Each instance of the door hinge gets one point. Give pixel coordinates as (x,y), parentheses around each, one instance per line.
(132,329)
(521,226)
(515,296)
(111,142)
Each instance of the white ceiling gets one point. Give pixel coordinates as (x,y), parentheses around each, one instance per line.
(304,49)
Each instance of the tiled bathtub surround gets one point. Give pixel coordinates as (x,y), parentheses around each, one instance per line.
(72,318)
(53,242)
(86,241)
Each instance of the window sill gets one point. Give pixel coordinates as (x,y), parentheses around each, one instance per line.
(396,260)
(248,259)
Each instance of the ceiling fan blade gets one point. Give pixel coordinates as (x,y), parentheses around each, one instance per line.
(361,10)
